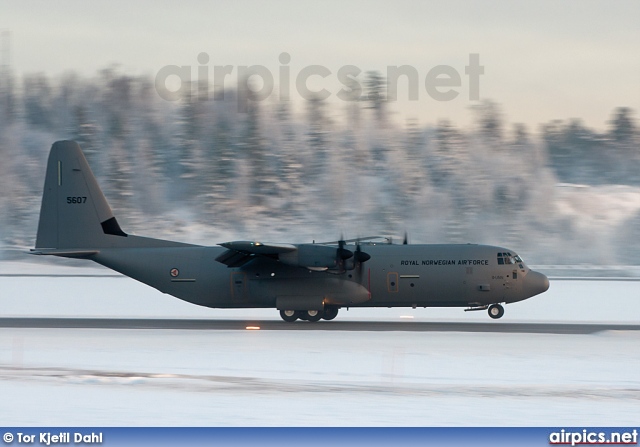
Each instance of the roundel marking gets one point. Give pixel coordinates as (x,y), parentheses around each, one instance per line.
(174,272)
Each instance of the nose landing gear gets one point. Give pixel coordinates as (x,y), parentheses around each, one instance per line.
(496,311)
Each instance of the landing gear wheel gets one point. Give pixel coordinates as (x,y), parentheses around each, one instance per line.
(330,313)
(289,315)
(496,311)
(312,315)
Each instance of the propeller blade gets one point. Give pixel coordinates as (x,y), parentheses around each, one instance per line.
(342,252)
(361,256)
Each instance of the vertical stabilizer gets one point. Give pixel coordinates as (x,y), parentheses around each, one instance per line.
(74,212)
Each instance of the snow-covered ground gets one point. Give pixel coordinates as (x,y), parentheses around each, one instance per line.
(314,378)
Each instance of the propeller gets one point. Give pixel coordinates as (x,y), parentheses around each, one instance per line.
(342,254)
(359,257)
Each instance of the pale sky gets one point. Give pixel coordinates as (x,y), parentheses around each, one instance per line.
(543,60)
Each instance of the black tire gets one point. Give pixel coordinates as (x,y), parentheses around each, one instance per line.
(313,315)
(496,311)
(330,313)
(289,315)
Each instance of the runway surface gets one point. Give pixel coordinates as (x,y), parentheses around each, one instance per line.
(274,325)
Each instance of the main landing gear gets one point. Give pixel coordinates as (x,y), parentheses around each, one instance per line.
(289,315)
(329,313)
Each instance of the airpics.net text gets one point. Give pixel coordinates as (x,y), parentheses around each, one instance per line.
(258,83)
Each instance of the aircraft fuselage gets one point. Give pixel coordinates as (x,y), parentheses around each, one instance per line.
(396,275)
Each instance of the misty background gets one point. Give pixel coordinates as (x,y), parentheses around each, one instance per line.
(200,171)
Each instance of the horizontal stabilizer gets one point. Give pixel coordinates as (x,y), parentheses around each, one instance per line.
(64,253)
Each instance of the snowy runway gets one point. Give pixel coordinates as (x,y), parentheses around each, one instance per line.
(274,325)
(228,377)
(177,377)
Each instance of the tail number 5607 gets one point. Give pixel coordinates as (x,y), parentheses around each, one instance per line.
(76,200)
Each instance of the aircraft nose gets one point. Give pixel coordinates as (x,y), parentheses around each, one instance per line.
(535,283)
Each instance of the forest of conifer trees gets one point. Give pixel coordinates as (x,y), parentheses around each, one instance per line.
(201,171)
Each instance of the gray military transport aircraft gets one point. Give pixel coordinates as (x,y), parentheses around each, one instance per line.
(303,281)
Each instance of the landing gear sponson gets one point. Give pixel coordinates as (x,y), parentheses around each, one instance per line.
(290,316)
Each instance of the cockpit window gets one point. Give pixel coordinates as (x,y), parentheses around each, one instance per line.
(508,258)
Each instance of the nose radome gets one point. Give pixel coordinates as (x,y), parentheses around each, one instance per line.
(536,283)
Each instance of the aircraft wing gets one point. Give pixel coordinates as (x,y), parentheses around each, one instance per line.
(316,257)
(259,248)
(240,252)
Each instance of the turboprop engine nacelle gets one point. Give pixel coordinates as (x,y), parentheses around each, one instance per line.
(311,256)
